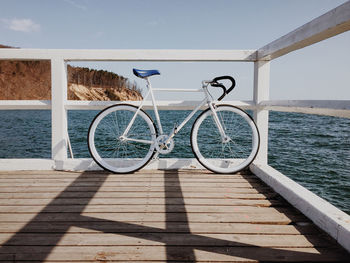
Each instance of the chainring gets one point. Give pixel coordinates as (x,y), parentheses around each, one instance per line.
(162,147)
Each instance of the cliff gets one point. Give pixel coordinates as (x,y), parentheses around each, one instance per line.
(31,80)
(90,84)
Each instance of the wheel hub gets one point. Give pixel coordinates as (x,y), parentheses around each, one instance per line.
(226,139)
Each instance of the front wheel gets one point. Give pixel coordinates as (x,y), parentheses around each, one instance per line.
(117,151)
(225,155)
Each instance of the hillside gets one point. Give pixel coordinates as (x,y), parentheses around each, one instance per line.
(31,80)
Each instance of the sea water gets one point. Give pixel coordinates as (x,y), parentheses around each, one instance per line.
(312,150)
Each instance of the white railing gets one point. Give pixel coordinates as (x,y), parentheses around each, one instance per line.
(336,21)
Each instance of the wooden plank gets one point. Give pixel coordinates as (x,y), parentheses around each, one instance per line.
(239,217)
(151,227)
(140,180)
(178,253)
(134,178)
(78,183)
(133,189)
(101,172)
(159,239)
(140,174)
(334,22)
(142,201)
(129,208)
(150,194)
(89,261)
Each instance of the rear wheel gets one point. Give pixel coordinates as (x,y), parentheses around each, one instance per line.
(230,155)
(115,152)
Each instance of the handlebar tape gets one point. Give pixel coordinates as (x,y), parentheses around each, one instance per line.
(225,91)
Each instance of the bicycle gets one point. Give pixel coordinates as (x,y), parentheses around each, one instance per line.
(224,139)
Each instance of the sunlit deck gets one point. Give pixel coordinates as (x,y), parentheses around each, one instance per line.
(186,215)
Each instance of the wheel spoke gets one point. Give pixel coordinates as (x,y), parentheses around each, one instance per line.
(218,155)
(109,149)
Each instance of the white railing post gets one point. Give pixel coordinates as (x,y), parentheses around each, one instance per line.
(58,111)
(261,116)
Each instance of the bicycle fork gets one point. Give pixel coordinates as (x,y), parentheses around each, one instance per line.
(212,106)
(219,125)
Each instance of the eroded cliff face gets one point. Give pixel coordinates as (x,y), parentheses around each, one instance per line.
(25,80)
(31,80)
(90,84)
(81,92)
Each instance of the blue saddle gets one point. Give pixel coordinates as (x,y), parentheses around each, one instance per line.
(145,73)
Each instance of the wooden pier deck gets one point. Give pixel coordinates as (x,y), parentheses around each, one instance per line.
(153,216)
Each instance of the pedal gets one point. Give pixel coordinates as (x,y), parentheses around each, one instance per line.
(155,156)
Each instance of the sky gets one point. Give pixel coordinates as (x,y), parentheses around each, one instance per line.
(321,71)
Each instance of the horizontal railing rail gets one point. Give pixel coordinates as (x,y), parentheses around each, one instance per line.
(335,108)
(129,55)
(332,23)
(98,105)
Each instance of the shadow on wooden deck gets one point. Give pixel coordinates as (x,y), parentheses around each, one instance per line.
(29,243)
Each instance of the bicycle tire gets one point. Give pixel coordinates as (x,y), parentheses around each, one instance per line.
(113,153)
(225,157)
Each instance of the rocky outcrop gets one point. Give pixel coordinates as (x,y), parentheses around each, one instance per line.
(81,92)
(31,80)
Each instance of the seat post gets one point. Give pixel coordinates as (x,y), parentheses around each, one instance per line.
(149,86)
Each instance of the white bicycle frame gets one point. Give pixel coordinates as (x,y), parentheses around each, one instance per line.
(207,100)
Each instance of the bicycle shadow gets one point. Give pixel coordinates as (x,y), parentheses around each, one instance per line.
(42,248)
